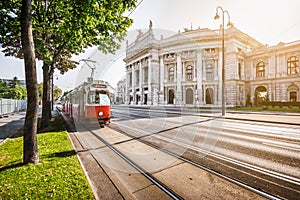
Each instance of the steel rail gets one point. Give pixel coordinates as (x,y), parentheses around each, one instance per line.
(155,181)
(264,194)
(214,114)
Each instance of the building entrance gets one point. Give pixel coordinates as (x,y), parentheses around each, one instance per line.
(189,97)
(209,96)
(171,97)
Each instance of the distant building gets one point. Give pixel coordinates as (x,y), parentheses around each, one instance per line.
(186,69)
(8,81)
(120,91)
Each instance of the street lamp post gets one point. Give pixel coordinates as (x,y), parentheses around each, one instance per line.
(223,54)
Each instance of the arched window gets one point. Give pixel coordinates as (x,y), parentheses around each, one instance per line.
(171,73)
(260,70)
(189,70)
(292,65)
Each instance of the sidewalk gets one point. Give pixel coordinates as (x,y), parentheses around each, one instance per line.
(11,125)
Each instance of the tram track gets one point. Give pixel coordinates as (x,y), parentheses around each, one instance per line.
(290,191)
(154,180)
(169,191)
(226,163)
(248,187)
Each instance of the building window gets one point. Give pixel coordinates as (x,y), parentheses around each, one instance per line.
(292,65)
(130,79)
(260,70)
(189,72)
(145,74)
(171,73)
(240,70)
(209,72)
(137,77)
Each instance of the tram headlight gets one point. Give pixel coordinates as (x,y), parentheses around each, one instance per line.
(100,113)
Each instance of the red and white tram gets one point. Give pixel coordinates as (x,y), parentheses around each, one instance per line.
(89,103)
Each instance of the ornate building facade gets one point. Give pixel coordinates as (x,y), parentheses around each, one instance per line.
(185,69)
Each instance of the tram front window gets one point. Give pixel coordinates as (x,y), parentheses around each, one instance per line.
(98,97)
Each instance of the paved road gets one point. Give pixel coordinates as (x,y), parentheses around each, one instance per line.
(11,125)
(260,145)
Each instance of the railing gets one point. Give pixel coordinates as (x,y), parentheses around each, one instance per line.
(8,106)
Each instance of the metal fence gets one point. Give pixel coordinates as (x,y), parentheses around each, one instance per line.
(8,106)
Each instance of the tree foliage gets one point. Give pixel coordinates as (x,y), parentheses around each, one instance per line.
(57,93)
(13,90)
(62,28)
(65,27)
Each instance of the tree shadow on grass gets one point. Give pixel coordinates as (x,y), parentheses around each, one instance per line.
(60,154)
(16,165)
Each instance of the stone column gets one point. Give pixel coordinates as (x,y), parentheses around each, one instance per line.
(183,66)
(199,76)
(127,95)
(179,80)
(215,69)
(132,84)
(140,83)
(150,98)
(161,82)
(194,71)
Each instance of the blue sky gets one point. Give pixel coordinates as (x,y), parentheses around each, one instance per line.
(268,21)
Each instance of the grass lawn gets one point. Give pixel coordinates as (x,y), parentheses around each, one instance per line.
(58,176)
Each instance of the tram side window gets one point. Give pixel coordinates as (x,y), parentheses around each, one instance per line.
(97,99)
(91,98)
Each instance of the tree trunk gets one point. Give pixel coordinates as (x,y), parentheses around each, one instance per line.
(30,150)
(46,103)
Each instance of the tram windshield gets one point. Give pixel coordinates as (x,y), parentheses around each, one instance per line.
(98,97)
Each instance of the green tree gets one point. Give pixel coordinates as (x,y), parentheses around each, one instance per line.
(40,90)
(65,27)
(14,90)
(15,82)
(17,40)
(3,88)
(30,150)
(57,93)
